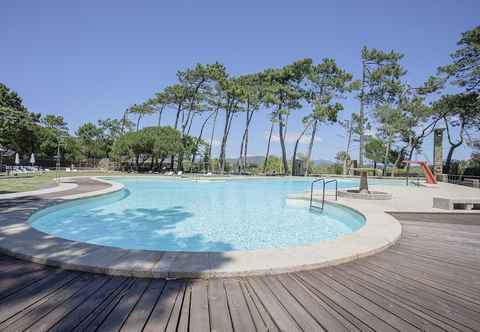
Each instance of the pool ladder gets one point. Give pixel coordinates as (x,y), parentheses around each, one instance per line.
(324,183)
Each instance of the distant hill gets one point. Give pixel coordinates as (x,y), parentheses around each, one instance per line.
(258,160)
(252,160)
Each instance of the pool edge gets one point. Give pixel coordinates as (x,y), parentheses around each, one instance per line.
(19,239)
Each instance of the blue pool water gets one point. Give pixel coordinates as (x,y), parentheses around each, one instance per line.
(184,215)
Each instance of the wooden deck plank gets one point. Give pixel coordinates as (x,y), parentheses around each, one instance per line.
(12,283)
(257,309)
(175,316)
(441,301)
(384,301)
(15,266)
(445,269)
(382,313)
(351,319)
(140,314)
(219,308)
(77,310)
(295,309)
(400,300)
(115,319)
(415,299)
(314,306)
(29,295)
(28,317)
(184,319)
(242,319)
(55,315)
(345,301)
(199,314)
(101,311)
(457,289)
(429,266)
(160,315)
(276,311)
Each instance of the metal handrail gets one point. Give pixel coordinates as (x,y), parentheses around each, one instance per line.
(414,176)
(324,183)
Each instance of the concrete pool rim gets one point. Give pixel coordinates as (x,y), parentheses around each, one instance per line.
(19,239)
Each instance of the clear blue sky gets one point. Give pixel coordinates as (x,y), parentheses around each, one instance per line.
(88,60)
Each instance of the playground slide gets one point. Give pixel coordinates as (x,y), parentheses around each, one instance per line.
(428,173)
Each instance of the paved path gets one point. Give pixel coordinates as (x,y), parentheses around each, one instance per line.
(429,280)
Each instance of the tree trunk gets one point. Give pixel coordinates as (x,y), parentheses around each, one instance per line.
(226,130)
(160,115)
(385,159)
(281,127)
(268,149)
(448,161)
(349,142)
(453,145)
(294,169)
(397,161)
(364,182)
(310,147)
(151,163)
(246,146)
(361,122)
(124,122)
(177,117)
(138,121)
(200,135)
(410,154)
(211,138)
(242,160)
(239,166)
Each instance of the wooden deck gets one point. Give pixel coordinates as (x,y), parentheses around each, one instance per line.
(430,280)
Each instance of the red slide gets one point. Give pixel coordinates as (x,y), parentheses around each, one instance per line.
(428,173)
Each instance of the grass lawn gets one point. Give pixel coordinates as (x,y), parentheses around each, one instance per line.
(46,180)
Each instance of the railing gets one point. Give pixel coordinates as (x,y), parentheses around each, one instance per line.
(464,180)
(324,183)
(415,176)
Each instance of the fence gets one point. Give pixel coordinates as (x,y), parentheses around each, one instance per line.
(464,180)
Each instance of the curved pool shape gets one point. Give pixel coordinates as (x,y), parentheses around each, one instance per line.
(185,215)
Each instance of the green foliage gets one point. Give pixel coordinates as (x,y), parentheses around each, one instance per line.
(167,141)
(327,82)
(464,71)
(17,125)
(460,109)
(274,165)
(141,111)
(382,76)
(375,150)
(150,142)
(90,139)
(342,156)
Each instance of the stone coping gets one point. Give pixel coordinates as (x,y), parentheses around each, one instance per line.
(62,186)
(19,239)
(371,195)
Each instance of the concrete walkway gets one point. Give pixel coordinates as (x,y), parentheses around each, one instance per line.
(412,198)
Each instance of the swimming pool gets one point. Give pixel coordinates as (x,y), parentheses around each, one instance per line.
(186,215)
